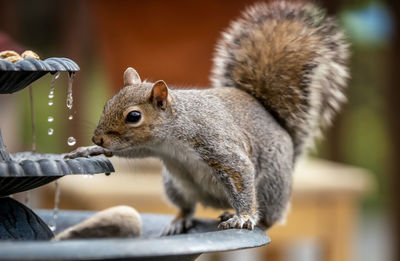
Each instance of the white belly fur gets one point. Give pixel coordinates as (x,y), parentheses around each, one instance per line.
(193,176)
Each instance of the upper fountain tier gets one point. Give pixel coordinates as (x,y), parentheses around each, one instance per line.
(24,171)
(16,76)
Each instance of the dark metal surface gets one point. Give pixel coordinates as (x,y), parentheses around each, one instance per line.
(27,170)
(18,222)
(16,76)
(204,237)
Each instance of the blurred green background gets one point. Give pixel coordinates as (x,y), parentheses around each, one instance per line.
(361,135)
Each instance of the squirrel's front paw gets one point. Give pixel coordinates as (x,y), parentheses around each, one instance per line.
(178,226)
(225,216)
(88,151)
(238,221)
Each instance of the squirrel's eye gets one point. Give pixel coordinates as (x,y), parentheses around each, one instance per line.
(133,117)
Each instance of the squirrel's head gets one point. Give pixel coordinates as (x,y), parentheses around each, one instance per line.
(135,115)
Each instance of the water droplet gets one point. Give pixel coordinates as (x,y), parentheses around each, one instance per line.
(53,85)
(69,101)
(71,141)
(53,222)
(70,117)
(51,102)
(69,91)
(52,227)
(50,131)
(50,119)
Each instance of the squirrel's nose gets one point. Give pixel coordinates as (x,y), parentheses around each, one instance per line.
(98,140)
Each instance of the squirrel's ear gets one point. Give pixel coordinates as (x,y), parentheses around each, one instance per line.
(131,77)
(159,94)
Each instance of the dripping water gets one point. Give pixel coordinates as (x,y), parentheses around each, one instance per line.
(71,141)
(53,221)
(27,193)
(69,92)
(32,119)
(50,131)
(53,85)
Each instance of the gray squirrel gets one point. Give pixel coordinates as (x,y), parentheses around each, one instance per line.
(278,78)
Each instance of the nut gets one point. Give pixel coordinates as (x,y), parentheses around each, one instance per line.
(14,58)
(30,54)
(8,53)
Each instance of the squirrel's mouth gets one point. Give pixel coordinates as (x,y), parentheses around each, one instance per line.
(119,149)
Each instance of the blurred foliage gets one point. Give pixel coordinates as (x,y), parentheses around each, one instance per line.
(364,131)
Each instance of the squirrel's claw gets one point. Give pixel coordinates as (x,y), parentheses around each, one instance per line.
(88,151)
(179,226)
(241,221)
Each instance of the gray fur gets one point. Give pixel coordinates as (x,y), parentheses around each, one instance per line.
(292,58)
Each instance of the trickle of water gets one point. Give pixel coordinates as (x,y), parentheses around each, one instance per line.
(50,119)
(50,131)
(32,119)
(51,102)
(71,141)
(70,99)
(53,85)
(70,117)
(53,223)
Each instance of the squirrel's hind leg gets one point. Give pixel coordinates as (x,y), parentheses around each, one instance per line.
(180,224)
(183,220)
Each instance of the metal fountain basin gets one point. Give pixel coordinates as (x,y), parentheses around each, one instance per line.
(203,238)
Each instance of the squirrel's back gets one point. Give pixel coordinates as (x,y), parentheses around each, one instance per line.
(292,58)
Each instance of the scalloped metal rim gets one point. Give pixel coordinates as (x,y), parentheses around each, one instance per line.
(59,167)
(29,174)
(53,64)
(16,76)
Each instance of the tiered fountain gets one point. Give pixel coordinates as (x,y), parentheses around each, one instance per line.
(25,235)
(27,170)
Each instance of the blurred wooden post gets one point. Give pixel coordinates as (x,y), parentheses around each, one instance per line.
(393,118)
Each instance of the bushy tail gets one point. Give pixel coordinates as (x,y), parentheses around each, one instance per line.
(292,58)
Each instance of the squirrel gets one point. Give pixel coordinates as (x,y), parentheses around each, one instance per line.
(278,78)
